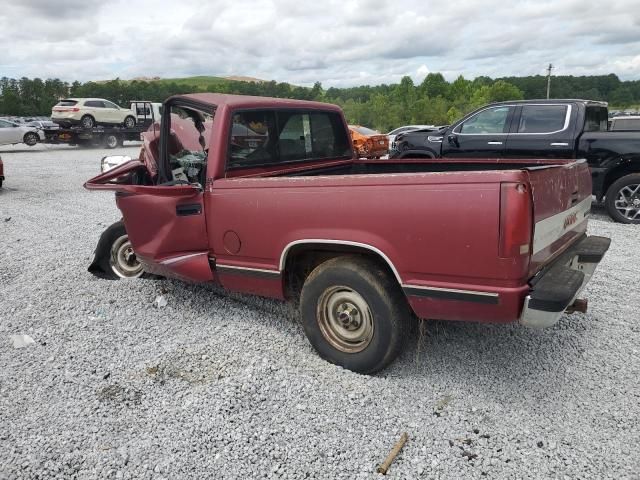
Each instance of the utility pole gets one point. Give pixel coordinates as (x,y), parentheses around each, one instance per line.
(549,68)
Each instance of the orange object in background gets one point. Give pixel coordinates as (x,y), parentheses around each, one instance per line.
(368,143)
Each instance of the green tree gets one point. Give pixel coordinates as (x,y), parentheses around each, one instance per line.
(434,85)
(502,91)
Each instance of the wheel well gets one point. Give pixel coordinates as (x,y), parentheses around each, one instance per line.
(632,165)
(302,259)
(415,154)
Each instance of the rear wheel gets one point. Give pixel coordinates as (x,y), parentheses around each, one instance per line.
(87,121)
(111,140)
(30,138)
(622,199)
(354,313)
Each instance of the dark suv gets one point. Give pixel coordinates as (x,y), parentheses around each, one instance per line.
(544,129)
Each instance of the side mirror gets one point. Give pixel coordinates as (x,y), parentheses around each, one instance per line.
(453,140)
(112,161)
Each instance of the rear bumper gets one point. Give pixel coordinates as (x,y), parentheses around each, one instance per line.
(557,286)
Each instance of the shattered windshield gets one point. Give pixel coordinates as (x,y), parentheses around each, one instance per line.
(187,145)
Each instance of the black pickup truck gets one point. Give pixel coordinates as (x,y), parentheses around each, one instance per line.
(543,129)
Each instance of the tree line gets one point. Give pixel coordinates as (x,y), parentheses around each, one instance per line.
(433,101)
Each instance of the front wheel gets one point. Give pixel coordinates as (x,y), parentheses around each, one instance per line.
(30,138)
(622,199)
(114,256)
(354,313)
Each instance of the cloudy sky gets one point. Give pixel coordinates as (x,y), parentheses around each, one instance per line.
(340,43)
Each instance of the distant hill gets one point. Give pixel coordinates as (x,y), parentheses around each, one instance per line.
(240,78)
(200,81)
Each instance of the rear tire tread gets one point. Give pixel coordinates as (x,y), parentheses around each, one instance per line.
(373,282)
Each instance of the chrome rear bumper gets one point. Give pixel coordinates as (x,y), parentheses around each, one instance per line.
(557,286)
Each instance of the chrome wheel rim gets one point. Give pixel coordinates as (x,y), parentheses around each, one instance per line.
(123,260)
(345,319)
(112,141)
(627,201)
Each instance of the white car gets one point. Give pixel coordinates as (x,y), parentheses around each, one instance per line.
(12,133)
(43,124)
(407,128)
(89,112)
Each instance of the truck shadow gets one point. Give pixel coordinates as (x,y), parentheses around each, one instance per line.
(470,357)
(476,356)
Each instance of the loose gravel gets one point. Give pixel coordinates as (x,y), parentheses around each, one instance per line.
(217,385)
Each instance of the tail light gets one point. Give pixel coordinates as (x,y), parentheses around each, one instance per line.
(516,220)
(75,109)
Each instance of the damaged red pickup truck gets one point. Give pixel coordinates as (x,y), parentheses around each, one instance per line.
(266,196)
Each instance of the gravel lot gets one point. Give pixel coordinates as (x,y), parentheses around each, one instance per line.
(227,386)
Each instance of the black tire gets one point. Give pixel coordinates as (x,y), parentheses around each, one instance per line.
(112,260)
(129,122)
(111,140)
(87,121)
(30,138)
(622,199)
(385,308)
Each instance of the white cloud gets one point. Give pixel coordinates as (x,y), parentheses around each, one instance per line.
(339,43)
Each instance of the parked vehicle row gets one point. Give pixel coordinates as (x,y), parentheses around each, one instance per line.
(84,121)
(361,244)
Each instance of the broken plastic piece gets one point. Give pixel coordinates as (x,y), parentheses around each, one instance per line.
(22,341)
(161,301)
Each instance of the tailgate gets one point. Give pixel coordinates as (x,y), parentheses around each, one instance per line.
(561,203)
